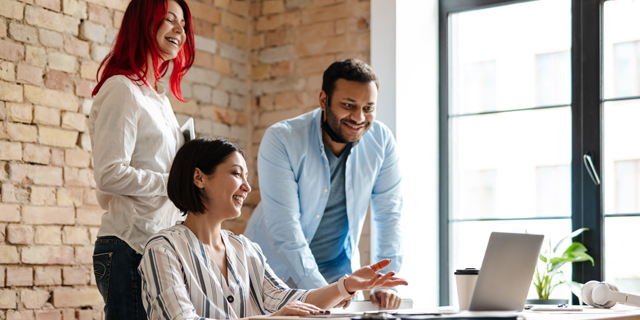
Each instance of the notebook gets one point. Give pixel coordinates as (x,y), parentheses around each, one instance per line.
(506,273)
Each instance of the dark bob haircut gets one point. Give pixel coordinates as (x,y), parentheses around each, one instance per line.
(350,70)
(202,153)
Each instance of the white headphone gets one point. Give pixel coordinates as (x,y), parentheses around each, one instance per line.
(606,295)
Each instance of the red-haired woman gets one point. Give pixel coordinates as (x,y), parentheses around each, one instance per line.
(135,137)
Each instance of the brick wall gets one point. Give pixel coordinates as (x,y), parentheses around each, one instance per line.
(257,62)
(293,42)
(218,85)
(49,216)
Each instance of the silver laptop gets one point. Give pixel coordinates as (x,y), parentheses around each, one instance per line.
(506,272)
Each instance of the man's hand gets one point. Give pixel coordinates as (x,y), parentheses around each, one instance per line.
(385,299)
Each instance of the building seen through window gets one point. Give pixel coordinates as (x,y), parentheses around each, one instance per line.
(510,131)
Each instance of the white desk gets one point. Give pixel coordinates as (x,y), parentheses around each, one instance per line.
(617,312)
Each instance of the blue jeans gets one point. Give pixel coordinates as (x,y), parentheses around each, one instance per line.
(115,265)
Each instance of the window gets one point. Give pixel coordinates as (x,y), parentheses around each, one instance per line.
(566,89)
(553,78)
(479,84)
(478,194)
(627,186)
(553,190)
(625,59)
(620,154)
(509,126)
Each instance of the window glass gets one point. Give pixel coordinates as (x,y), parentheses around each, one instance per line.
(511,165)
(553,190)
(621,48)
(509,153)
(524,65)
(479,86)
(621,154)
(553,78)
(627,185)
(625,69)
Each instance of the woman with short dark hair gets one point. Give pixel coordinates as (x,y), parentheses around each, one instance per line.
(199,270)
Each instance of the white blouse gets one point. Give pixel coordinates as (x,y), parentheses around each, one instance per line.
(134,137)
(180,281)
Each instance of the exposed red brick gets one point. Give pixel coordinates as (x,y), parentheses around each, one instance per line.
(58,80)
(74,275)
(11,51)
(19,276)
(99,14)
(49,315)
(281,69)
(67,297)
(203,28)
(84,88)
(47,255)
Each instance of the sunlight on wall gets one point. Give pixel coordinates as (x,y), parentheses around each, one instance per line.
(415,101)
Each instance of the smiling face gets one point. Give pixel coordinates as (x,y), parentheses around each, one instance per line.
(226,188)
(352,110)
(171,35)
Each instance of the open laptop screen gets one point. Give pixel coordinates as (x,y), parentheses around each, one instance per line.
(506,272)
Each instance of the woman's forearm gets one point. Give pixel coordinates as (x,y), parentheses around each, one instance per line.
(325,297)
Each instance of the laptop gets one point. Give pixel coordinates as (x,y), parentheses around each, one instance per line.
(506,272)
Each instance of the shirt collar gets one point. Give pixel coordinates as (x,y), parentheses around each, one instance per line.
(317,120)
(146,90)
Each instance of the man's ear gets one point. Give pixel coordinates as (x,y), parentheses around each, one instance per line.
(323,100)
(198,178)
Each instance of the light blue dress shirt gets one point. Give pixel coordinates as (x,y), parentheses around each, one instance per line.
(294,185)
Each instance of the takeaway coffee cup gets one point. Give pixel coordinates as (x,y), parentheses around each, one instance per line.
(466,282)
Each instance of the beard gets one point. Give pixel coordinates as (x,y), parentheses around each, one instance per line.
(335,125)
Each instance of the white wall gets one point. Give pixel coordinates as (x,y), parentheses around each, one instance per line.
(404,47)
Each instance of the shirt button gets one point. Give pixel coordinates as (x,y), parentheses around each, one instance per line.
(230,299)
(282,278)
(326,165)
(317,216)
(306,239)
(325,190)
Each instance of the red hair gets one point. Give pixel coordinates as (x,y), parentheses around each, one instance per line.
(137,39)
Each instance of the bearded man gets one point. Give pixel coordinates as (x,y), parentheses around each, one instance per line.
(318,173)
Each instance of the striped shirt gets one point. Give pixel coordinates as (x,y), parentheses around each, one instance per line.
(179,280)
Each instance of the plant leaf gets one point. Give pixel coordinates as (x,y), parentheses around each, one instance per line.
(582,256)
(576,247)
(557,263)
(543,258)
(576,289)
(572,235)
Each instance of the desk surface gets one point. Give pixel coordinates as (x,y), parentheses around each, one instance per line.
(588,313)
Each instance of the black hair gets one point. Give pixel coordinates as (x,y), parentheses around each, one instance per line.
(350,70)
(202,153)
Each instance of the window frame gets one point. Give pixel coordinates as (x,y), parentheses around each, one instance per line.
(586,131)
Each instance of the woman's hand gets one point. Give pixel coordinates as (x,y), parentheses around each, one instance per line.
(298,308)
(367,278)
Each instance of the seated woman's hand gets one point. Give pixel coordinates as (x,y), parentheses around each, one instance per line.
(367,278)
(298,308)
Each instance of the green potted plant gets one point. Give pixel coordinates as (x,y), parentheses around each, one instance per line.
(548,274)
